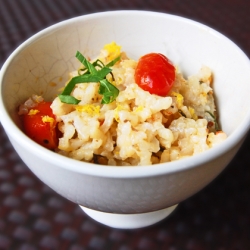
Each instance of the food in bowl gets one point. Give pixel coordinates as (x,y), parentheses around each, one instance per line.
(121,112)
(145,194)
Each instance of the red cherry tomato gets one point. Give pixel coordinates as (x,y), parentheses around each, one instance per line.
(40,125)
(155,73)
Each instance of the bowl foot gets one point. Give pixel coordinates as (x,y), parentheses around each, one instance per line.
(129,221)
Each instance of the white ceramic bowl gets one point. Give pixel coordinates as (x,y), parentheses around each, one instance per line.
(126,197)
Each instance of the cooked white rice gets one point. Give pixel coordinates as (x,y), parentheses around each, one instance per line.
(138,128)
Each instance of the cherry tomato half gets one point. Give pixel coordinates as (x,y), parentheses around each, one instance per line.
(155,73)
(40,125)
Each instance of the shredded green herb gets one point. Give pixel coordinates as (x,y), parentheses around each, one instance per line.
(91,74)
(216,125)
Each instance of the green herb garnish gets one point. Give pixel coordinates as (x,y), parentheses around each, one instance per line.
(216,125)
(91,74)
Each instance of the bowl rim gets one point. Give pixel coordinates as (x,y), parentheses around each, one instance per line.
(60,161)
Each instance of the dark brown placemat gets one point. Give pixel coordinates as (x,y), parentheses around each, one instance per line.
(32,216)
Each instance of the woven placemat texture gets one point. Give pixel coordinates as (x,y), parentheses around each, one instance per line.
(32,216)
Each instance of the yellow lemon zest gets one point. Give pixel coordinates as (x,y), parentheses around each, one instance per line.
(33,112)
(192,113)
(138,109)
(113,50)
(204,94)
(179,99)
(116,112)
(89,108)
(49,119)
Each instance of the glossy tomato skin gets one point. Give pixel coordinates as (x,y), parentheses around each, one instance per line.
(44,133)
(155,73)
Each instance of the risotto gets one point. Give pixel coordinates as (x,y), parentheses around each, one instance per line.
(137,127)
